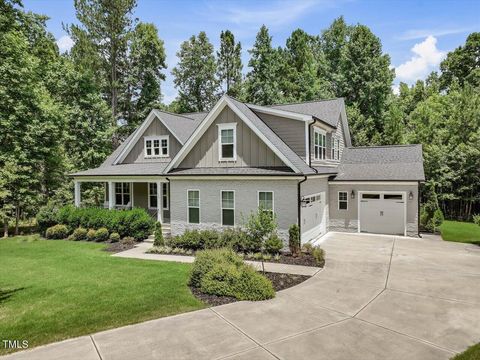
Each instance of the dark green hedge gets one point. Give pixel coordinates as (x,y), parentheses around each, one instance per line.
(136,223)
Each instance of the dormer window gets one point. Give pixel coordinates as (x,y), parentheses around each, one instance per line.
(227,142)
(156,146)
(319,144)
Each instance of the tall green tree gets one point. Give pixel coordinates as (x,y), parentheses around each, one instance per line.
(229,64)
(263,80)
(195,74)
(105,26)
(463,64)
(147,60)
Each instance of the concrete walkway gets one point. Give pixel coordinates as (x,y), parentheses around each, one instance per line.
(379,297)
(139,252)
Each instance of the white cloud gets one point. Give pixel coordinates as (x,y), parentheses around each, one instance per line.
(65,43)
(423,33)
(396,89)
(427,57)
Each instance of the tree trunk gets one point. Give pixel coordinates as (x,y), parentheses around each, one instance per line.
(5,228)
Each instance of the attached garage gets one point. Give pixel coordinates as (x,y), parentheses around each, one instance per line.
(382,212)
(313,208)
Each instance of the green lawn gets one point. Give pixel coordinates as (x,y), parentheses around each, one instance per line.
(472,353)
(53,289)
(460,232)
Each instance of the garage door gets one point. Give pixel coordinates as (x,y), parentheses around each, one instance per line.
(313,216)
(382,213)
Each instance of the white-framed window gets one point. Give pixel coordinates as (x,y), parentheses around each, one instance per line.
(335,148)
(165,189)
(319,144)
(228,207)
(265,200)
(152,195)
(122,193)
(342,200)
(193,204)
(156,146)
(227,142)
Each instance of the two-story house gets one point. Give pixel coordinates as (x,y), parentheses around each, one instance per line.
(210,170)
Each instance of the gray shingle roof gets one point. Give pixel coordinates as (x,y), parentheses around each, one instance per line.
(324,170)
(233,171)
(125,169)
(198,116)
(325,110)
(181,125)
(296,160)
(382,163)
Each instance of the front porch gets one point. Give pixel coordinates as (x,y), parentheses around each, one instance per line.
(152,195)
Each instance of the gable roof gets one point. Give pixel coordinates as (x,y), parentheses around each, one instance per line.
(268,136)
(382,163)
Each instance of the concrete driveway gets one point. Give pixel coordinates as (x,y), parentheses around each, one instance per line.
(379,297)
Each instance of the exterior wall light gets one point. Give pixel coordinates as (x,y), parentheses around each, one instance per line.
(410,195)
(352,194)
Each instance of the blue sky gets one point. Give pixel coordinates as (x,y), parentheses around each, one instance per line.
(416,34)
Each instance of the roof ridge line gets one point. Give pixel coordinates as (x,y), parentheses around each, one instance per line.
(175,114)
(366,147)
(305,102)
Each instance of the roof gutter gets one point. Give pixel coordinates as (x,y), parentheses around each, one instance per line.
(299,206)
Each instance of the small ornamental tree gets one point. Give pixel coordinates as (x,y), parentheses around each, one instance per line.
(261,225)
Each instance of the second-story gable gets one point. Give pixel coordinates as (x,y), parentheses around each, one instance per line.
(230,142)
(326,144)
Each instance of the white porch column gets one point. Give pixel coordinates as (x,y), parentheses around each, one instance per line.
(159,202)
(78,195)
(111,195)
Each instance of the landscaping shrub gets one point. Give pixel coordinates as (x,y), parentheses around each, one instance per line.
(212,239)
(206,259)
(244,242)
(128,240)
(190,239)
(222,272)
(476,219)
(273,244)
(136,222)
(158,241)
(431,217)
(114,237)
(319,254)
(307,248)
(101,234)
(46,217)
(294,239)
(57,232)
(79,234)
(261,224)
(91,235)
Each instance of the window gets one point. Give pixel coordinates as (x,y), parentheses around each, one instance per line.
(193,206)
(228,208)
(308,201)
(319,144)
(265,200)
(371,196)
(165,189)
(335,149)
(342,200)
(122,194)
(152,195)
(156,146)
(227,142)
(393,196)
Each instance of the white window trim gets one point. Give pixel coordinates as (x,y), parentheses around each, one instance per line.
(322,133)
(149,194)
(221,208)
(193,207)
(159,138)
(273,199)
(166,193)
(123,193)
(227,126)
(338,200)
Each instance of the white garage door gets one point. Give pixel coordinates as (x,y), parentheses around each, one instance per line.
(382,213)
(313,216)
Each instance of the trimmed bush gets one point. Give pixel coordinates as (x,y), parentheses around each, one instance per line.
(206,259)
(294,239)
(91,235)
(273,244)
(319,254)
(136,222)
(101,235)
(79,234)
(57,232)
(114,237)
(158,241)
(476,219)
(128,240)
(245,243)
(212,239)
(46,217)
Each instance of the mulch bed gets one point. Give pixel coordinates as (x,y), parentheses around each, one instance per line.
(119,246)
(303,259)
(279,281)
